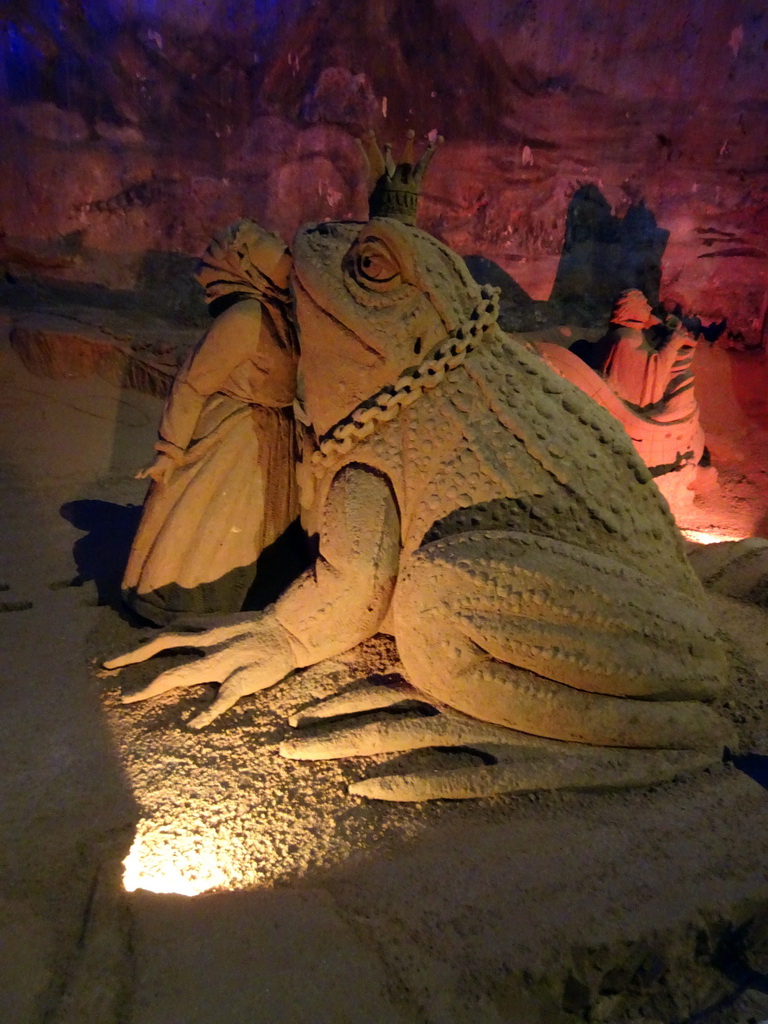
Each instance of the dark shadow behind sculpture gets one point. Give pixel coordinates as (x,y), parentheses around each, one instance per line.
(279,565)
(101,555)
(603,255)
(517,310)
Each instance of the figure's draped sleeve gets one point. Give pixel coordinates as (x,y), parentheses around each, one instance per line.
(242,357)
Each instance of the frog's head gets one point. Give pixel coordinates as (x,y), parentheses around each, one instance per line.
(370,300)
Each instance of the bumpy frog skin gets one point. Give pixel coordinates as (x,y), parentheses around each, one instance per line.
(501,527)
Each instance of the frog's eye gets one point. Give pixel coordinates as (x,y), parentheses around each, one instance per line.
(373,266)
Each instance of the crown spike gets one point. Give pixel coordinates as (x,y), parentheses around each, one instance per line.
(426,158)
(374,160)
(407,154)
(389,160)
(395,191)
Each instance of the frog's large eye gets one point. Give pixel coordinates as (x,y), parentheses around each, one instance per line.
(373,265)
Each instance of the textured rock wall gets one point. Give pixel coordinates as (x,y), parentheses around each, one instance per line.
(139,128)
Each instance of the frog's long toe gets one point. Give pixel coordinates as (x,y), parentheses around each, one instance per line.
(361,696)
(520,771)
(391,734)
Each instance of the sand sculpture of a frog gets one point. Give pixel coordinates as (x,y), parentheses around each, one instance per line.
(493,519)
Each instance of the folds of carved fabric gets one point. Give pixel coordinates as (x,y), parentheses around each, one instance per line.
(552,640)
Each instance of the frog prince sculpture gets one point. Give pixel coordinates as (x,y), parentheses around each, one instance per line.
(486,513)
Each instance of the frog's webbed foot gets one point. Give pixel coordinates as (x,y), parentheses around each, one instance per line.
(508,761)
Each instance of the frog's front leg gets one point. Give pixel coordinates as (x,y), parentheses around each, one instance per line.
(552,640)
(338,602)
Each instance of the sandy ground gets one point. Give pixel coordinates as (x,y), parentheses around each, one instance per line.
(527,909)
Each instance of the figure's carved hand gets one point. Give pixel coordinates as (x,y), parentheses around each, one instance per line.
(246,653)
(169,456)
(159,470)
(679,336)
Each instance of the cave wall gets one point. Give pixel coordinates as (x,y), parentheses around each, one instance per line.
(137,128)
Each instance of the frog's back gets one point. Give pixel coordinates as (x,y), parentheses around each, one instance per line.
(505,443)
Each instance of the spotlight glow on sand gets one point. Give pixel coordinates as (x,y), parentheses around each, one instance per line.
(188,864)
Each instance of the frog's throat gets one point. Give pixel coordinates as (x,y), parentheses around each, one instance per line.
(385,404)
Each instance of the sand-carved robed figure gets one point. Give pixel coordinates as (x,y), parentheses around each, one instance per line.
(486,513)
(645,380)
(639,372)
(222,483)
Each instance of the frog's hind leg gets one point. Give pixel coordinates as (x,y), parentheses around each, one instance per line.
(549,639)
(476,616)
(506,761)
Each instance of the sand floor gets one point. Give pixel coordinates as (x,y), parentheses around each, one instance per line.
(525,909)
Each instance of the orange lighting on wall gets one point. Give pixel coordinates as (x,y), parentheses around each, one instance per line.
(706,537)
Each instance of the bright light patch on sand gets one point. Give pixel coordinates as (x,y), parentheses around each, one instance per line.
(188,864)
(703,537)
